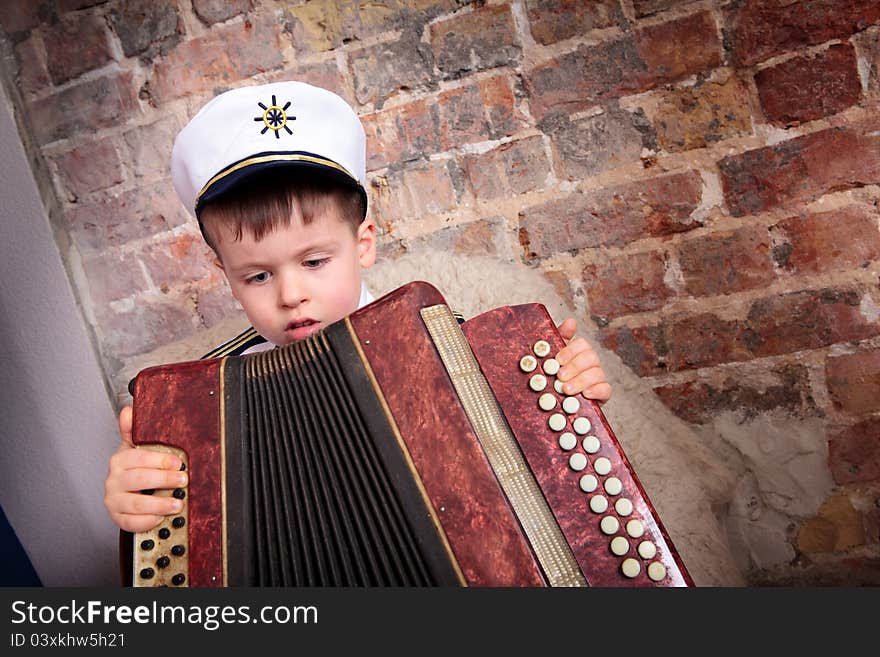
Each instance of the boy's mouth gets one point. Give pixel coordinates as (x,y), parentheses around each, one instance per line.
(302,328)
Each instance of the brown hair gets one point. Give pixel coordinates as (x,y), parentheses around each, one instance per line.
(264,202)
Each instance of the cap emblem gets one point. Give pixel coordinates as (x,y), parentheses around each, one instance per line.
(275,118)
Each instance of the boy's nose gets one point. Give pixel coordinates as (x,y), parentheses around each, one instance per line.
(291,291)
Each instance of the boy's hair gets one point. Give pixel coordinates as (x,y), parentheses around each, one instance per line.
(275,197)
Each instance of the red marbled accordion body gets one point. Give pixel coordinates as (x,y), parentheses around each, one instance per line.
(179,405)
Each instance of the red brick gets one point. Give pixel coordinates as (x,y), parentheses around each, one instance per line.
(654,55)
(479,238)
(148,325)
(33,74)
(801,169)
(325,74)
(758,29)
(23,15)
(75,45)
(551,21)
(704,340)
(90,168)
(143,25)
(112,276)
(84,107)
(626,284)
(868,49)
(854,453)
(807,88)
(217,11)
(513,168)
(830,241)
(499,95)
(183,258)
(478,112)
(401,134)
(226,56)
(474,41)
(214,302)
(698,402)
(853,381)
(119,219)
(588,146)
(643,349)
(807,319)
(411,193)
(149,147)
(382,70)
(650,7)
(726,261)
(616,215)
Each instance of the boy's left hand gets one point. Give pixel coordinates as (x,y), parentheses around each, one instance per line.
(580,371)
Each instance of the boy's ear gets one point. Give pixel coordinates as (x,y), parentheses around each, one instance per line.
(366,242)
(219,264)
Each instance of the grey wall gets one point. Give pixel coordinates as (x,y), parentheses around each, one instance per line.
(57,426)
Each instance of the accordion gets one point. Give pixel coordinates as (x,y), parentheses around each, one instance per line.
(395,447)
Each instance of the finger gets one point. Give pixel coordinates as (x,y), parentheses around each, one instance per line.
(130,458)
(572,349)
(584,380)
(150,478)
(567,329)
(600,392)
(125,426)
(142,504)
(136,523)
(583,361)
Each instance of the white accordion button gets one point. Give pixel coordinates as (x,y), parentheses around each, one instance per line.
(656,571)
(609,525)
(589,483)
(577,461)
(541,348)
(591,444)
(550,366)
(647,550)
(538,382)
(613,486)
(581,425)
(630,567)
(557,386)
(547,402)
(570,405)
(635,528)
(557,422)
(528,363)
(567,441)
(598,504)
(623,507)
(603,465)
(619,546)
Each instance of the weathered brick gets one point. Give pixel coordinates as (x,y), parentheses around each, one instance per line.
(324,73)
(149,147)
(513,168)
(810,87)
(868,50)
(599,143)
(84,107)
(626,284)
(643,349)
(757,30)
(499,96)
(214,302)
(89,168)
(853,381)
(485,237)
(65,6)
(119,219)
(551,21)
(653,56)
(76,45)
(227,55)
(380,71)
(837,526)
(807,319)
(32,71)
(474,41)
(615,215)
(149,324)
(650,7)
(704,340)
(788,389)
(401,134)
(854,453)
(726,261)
(800,169)
(113,275)
(21,16)
(829,241)
(217,11)
(411,193)
(140,24)
(700,115)
(184,258)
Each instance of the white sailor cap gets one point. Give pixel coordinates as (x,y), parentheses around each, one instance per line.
(249,129)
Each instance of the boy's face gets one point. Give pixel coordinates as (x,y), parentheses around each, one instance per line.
(298,278)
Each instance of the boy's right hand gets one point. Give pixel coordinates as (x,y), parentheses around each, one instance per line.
(133,470)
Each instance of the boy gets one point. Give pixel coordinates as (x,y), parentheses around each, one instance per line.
(276,176)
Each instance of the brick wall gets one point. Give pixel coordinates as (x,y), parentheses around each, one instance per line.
(705,175)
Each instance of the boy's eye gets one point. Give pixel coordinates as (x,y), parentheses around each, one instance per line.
(262,277)
(314,264)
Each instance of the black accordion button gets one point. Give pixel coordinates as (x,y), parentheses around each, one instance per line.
(179,493)
(164,532)
(147,544)
(147,573)
(163,561)
(178,579)
(178,522)
(178,550)
(148,491)
(182,467)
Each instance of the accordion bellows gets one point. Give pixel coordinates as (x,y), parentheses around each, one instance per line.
(396,448)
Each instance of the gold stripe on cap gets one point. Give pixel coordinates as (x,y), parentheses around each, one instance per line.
(278,157)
